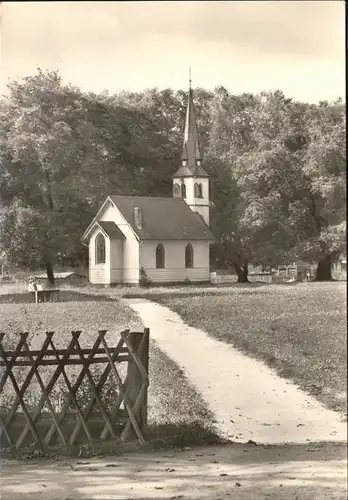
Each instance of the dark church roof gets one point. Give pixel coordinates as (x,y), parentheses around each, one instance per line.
(111,230)
(184,171)
(163,218)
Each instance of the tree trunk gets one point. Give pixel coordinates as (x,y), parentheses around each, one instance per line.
(323,272)
(242,273)
(50,275)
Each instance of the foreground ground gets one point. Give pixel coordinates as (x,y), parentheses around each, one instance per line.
(240,472)
(177,414)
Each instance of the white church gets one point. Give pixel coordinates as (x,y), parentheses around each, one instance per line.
(168,238)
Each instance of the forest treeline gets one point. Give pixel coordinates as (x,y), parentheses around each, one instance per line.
(277,169)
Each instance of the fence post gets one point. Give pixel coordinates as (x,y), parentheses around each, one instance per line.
(135,380)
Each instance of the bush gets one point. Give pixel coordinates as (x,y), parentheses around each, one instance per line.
(144,280)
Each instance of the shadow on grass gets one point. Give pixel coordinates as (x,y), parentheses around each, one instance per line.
(162,296)
(64,296)
(183,434)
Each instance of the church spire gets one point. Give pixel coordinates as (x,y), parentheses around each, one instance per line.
(191,155)
(191,158)
(190,181)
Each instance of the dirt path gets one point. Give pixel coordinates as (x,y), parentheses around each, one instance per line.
(249,400)
(236,471)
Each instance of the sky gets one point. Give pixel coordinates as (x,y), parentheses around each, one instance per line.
(246,46)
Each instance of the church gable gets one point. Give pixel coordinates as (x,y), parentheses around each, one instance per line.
(112,222)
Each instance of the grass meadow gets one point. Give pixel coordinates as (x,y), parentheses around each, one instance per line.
(299,330)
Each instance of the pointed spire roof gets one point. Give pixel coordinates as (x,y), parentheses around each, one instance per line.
(191,155)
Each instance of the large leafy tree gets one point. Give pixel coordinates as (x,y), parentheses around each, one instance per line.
(321,212)
(45,140)
(232,121)
(166,109)
(62,152)
(280,188)
(295,184)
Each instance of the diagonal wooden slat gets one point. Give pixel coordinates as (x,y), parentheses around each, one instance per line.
(11,361)
(26,383)
(30,423)
(126,388)
(94,389)
(49,387)
(138,384)
(127,403)
(136,408)
(8,368)
(71,392)
(75,387)
(99,387)
(116,407)
(3,428)
(132,392)
(136,359)
(48,401)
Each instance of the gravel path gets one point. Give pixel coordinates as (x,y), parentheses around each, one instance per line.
(241,472)
(249,400)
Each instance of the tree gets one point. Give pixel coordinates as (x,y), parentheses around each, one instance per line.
(62,153)
(165,111)
(295,184)
(232,120)
(42,146)
(324,174)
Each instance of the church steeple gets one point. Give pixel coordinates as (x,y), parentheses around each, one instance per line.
(191,158)
(191,181)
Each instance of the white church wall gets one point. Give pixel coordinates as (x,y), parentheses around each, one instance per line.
(175,270)
(116,261)
(130,244)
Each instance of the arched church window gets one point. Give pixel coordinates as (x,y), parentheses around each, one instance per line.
(160,256)
(189,256)
(176,191)
(183,190)
(198,190)
(100,249)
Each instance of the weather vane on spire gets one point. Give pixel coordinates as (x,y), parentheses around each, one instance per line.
(190,81)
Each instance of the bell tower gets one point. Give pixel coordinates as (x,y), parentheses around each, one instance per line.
(190,181)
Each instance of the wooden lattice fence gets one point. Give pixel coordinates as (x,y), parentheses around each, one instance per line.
(53,397)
